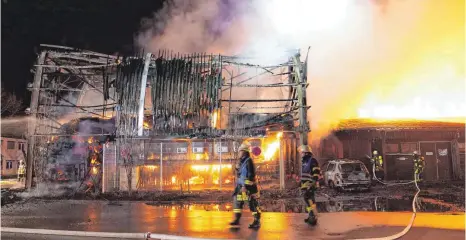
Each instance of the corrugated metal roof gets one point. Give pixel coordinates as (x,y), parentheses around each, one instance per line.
(369,124)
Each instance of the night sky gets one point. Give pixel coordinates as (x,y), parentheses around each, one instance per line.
(106,26)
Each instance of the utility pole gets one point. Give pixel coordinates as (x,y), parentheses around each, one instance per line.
(300,77)
(301,80)
(32,120)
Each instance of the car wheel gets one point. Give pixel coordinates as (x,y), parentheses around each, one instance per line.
(331,185)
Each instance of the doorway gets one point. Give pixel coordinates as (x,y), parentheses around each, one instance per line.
(437,157)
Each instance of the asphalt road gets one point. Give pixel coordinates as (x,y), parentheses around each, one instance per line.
(134,217)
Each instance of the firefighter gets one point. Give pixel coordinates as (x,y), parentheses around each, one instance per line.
(419,165)
(246,188)
(21,171)
(310,174)
(377,165)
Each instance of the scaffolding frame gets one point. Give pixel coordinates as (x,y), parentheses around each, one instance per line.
(66,77)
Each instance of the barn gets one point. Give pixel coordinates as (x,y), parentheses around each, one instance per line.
(441,143)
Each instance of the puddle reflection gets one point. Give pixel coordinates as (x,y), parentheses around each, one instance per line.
(378,204)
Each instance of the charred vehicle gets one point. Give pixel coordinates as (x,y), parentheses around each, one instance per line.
(346,174)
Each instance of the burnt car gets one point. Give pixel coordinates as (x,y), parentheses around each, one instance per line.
(347,174)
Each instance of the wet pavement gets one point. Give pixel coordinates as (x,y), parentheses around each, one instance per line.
(211,220)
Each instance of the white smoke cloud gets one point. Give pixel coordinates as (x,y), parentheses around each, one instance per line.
(357,46)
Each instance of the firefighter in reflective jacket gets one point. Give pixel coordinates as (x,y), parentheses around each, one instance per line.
(377,165)
(21,171)
(419,164)
(310,174)
(246,188)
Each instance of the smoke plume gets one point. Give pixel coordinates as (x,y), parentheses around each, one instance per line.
(364,53)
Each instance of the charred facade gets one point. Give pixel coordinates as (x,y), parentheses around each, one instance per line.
(121,117)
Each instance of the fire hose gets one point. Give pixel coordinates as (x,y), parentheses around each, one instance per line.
(413,216)
(98,234)
(388,184)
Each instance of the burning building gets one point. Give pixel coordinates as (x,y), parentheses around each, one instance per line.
(162,121)
(440,143)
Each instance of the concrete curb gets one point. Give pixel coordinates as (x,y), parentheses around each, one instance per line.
(98,234)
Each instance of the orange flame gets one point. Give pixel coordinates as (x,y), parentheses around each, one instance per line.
(208,169)
(151,156)
(173,179)
(272,148)
(90,140)
(214,118)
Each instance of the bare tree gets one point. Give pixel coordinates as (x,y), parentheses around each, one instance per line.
(10,103)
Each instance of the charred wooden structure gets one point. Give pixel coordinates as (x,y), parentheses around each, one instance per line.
(158,97)
(441,144)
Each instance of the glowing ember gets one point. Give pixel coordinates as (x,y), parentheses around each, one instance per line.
(151,167)
(94,170)
(212,167)
(196,180)
(151,156)
(272,148)
(200,156)
(173,179)
(90,140)
(94,160)
(146,125)
(214,119)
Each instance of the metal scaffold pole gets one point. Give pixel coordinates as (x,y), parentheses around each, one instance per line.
(142,95)
(281,165)
(220,155)
(161,173)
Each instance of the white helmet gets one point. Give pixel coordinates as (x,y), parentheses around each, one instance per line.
(375,152)
(245,147)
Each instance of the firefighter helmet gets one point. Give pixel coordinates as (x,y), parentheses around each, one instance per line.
(304,149)
(415,153)
(375,152)
(245,147)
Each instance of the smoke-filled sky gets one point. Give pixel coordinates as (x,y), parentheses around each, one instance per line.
(368,58)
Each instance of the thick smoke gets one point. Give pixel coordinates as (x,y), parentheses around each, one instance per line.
(359,49)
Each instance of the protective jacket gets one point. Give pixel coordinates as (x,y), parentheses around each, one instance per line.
(310,171)
(419,163)
(378,161)
(21,169)
(245,172)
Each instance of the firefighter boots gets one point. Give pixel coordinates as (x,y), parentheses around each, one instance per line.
(256,223)
(312,219)
(236,221)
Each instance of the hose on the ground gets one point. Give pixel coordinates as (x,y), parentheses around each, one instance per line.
(411,222)
(388,184)
(97,234)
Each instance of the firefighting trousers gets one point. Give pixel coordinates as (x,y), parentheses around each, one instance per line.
(418,172)
(238,202)
(309,195)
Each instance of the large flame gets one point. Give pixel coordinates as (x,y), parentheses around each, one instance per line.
(272,148)
(405,61)
(215,119)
